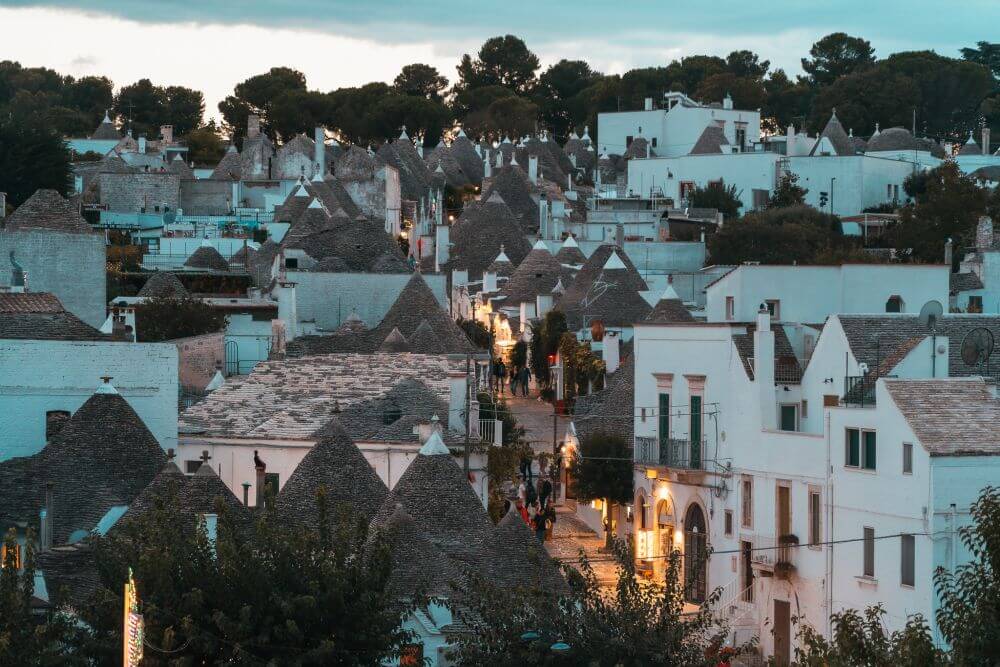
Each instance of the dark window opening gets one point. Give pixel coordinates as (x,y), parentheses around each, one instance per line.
(291,262)
(54,421)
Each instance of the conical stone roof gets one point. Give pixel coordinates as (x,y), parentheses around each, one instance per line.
(592,268)
(480,231)
(418,567)
(520,559)
(570,253)
(163,285)
(48,210)
(395,342)
(230,166)
(207,257)
(417,304)
(669,309)
(537,274)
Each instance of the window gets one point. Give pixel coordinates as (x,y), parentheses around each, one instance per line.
(664,419)
(54,421)
(291,262)
(191,467)
(789,417)
(860,449)
(653,142)
(628,140)
(730,308)
(907,553)
(894,304)
(695,432)
(741,138)
(907,458)
(746,503)
(815,513)
(687,187)
(869,552)
(805,409)
(975,304)
(888,191)
(729,523)
(391,414)
(774,308)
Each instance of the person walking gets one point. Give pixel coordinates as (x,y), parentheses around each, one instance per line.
(525,380)
(501,374)
(523,511)
(545,492)
(539,523)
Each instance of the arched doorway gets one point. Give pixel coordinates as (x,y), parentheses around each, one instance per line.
(664,523)
(695,555)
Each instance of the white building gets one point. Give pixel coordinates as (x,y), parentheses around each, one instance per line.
(672,127)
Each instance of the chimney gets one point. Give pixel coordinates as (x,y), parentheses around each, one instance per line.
(984,233)
(948,253)
(763,368)
(320,152)
(572,159)
(727,102)
(569,182)
(489,281)
(543,216)
(986,140)
(253,126)
(288,309)
(499,159)
(167,134)
(648,106)
(459,277)
(260,470)
(3,205)
(142,143)
(533,168)
(620,235)
(45,519)
(612,351)
(442,246)
(246,494)
(487,167)
(457,387)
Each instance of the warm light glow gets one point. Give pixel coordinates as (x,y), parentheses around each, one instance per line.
(404,234)
(644,544)
(597,504)
(678,537)
(651,473)
(662,492)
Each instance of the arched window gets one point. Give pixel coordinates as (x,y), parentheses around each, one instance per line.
(695,555)
(643,511)
(894,304)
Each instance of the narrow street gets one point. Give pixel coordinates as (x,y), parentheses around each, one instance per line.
(570,535)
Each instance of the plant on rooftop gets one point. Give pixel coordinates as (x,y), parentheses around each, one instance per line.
(788,192)
(161,318)
(716,195)
(638,622)
(477,333)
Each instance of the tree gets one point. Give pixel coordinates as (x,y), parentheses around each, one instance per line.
(296,111)
(267,593)
(788,192)
(26,637)
(969,612)
(557,95)
(836,55)
(502,61)
(861,639)
(601,469)
(874,95)
(787,102)
(141,106)
(638,623)
(545,344)
(159,318)
(688,73)
(785,235)
(947,206)
(32,156)
(205,146)
(987,54)
(183,109)
(420,80)
(716,195)
(519,354)
(257,95)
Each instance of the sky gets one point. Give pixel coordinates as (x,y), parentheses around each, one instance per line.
(211,45)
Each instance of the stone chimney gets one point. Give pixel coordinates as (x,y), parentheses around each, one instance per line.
(948,248)
(986,140)
(984,233)
(543,216)
(727,102)
(253,126)
(620,235)
(487,167)
(142,143)
(457,388)
(763,368)
(45,519)
(612,351)
(260,468)
(288,309)
(442,246)
(648,104)
(320,152)
(533,168)
(167,134)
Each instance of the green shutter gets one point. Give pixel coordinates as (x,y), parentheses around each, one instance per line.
(664,419)
(696,431)
(870,450)
(787,417)
(853,447)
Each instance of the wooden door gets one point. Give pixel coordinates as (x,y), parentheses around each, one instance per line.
(782,633)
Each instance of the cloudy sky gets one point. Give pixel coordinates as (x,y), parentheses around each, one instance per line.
(213,44)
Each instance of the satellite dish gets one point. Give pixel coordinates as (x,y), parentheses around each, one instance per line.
(977,346)
(930,315)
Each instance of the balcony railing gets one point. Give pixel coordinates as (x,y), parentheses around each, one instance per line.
(775,553)
(859,390)
(671,453)
(491,431)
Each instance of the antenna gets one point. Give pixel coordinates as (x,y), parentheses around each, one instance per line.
(977,346)
(930,315)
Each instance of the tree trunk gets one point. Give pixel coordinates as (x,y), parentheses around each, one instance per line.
(608,507)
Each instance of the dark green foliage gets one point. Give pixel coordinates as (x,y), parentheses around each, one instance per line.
(788,192)
(545,342)
(144,107)
(257,95)
(476,332)
(205,146)
(519,354)
(253,595)
(601,469)
(969,615)
(638,623)
(158,319)
(502,61)
(421,81)
(947,205)
(861,639)
(716,195)
(26,637)
(32,156)
(836,55)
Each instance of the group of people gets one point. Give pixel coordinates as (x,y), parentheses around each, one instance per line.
(515,377)
(534,504)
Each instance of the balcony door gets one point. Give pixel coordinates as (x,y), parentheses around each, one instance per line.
(783,527)
(695,432)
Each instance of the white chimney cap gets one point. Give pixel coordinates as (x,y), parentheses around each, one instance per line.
(300,191)
(434,446)
(315,204)
(670,292)
(502,257)
(403,135)
(106,387)
(570,242)
(461,133)
(506,139)
(317,177)
(217,382)
(540,245)
(614,262)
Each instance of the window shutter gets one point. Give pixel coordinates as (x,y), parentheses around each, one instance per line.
(664,419)
(907,553)
(869,546)
(853,448)
(870,450)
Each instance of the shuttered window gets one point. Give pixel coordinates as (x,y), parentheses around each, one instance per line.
(869,442)
(907,556)
(907,458)
(853,448)
(869,554)
(664,419)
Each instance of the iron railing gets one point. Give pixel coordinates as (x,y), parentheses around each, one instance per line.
(671,452)
(859,390)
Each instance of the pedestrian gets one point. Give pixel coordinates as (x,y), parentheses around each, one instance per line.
(523,511)
(501,374)
(514,374)
(539,524)
(546,491)
(526,467)
(525,380)
(494,374)
(531,496)
(522,489)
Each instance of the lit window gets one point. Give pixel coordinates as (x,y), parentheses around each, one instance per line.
(16,554)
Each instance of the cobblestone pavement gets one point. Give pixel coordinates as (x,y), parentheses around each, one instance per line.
(535,417)
(570,535)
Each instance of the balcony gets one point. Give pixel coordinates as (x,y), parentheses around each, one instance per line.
(859,390)
(671,453)
(775,556)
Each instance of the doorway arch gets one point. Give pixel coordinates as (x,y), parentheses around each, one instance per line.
(695,555)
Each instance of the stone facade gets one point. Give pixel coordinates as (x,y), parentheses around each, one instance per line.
(131,193)
(206,197)
(198,357)
(71,266)
(64,374)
